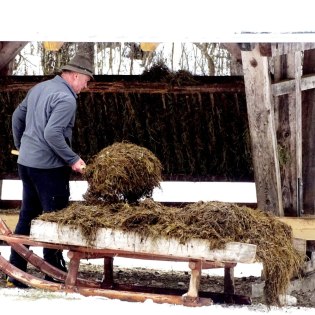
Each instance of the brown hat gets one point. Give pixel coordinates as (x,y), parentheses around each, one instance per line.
(81,64)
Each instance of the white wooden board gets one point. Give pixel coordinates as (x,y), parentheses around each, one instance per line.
(134,244)
(170,191)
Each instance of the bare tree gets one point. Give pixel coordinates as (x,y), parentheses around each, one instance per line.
(128,58)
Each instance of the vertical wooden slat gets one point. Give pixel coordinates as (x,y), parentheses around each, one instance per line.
(298,128)
(308,135)
(288,126)
(283,126)
(262,129)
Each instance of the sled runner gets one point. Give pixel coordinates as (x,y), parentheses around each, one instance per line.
(110,244)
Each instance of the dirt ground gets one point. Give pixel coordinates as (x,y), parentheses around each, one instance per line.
(177,280)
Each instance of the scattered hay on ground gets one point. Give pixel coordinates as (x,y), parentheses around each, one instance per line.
(216,222)
(122,172)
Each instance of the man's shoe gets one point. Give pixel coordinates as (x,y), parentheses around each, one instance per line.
(55,258)
(51,279)
(13,283)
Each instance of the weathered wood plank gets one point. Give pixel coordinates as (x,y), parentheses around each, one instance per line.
(287,86)
(278,49)
(286,48)
(283,87)
(289,136)
(8,52)
(302,228)
(307,82)
(136,84)
(263,133)
(143,87)
(308,119)
(296,142)
(135,244)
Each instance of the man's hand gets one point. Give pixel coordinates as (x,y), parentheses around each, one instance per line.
(79,166)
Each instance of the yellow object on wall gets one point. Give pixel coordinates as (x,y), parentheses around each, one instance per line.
(149,46)
(53,46)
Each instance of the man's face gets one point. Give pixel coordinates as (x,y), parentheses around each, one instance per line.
(80,82)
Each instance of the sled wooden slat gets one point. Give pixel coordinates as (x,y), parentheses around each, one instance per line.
(110,239)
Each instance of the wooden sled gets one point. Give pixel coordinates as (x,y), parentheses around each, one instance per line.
(110,244)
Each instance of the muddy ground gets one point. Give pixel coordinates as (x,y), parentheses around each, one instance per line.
(177,280)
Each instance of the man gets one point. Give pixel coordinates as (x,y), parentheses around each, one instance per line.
(42,131)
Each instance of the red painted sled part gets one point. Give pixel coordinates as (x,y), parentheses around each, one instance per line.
(70,282)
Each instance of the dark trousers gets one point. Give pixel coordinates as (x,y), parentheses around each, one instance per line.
(44,190)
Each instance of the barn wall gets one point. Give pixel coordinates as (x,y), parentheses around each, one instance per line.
(196,135)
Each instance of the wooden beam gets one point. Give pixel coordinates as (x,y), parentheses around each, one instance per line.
(302,228)
(278,49)
(262,130)
(9,51)
(141,87)
(283,87)
(307,82)
(288,86)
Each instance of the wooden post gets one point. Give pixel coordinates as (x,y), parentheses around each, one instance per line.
(73,268)
(229,282)
(194,283)
(108,280)
(262,130)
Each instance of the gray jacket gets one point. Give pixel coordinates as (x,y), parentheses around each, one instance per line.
(42,125)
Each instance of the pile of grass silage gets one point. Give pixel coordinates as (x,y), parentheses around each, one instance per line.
(122,171)
(216,222)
